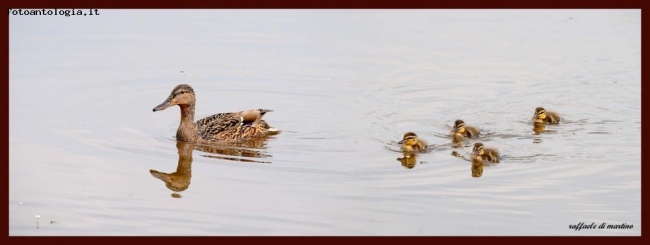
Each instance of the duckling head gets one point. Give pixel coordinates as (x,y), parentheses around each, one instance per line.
(409,139)
(540,113)
(181,95)
(459,126)
(478,149)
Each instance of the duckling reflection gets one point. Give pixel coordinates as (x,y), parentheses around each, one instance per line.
(409,160)
(180,180)
(411,143)
(461,131)
(477,164)
(539,127)
(477,169)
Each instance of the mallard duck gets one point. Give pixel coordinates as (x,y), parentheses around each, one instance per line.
(461,131)
(411,142)
(479,152)
(222,127)
(546,117)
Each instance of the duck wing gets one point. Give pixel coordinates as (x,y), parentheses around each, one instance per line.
(222,122)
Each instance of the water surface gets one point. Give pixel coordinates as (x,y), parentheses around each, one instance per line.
(89,157)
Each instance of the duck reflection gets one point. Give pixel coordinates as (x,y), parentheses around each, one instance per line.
(409,160)
(538,127)
(477,168)
(180,180)
(246,151)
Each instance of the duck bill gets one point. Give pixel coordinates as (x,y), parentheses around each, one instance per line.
(159,175)
(163,106)
(400,142)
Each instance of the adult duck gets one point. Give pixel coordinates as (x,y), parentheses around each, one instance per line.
(221,127)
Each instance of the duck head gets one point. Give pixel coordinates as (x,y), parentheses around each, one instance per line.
(478,149)
(181,95)
(409,139)
(459,126)
(540,114)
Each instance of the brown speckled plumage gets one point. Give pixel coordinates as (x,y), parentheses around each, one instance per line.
(547,117)
(479,152)
(462,131)
(222,127)
(411,142)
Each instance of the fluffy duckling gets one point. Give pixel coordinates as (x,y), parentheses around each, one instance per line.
(411,142)
(460,130)
(545,117)
(479,152)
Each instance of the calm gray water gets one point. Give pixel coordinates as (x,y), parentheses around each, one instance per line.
(345,85)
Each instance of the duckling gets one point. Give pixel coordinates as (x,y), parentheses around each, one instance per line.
(461,131)
(545,117)
(411,142)
(479,152)
(221,127)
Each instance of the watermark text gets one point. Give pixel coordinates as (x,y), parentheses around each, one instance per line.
(59,12)
(593,226)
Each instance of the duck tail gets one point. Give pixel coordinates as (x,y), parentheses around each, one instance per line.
(273,130)
(264,111)
(270,130)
